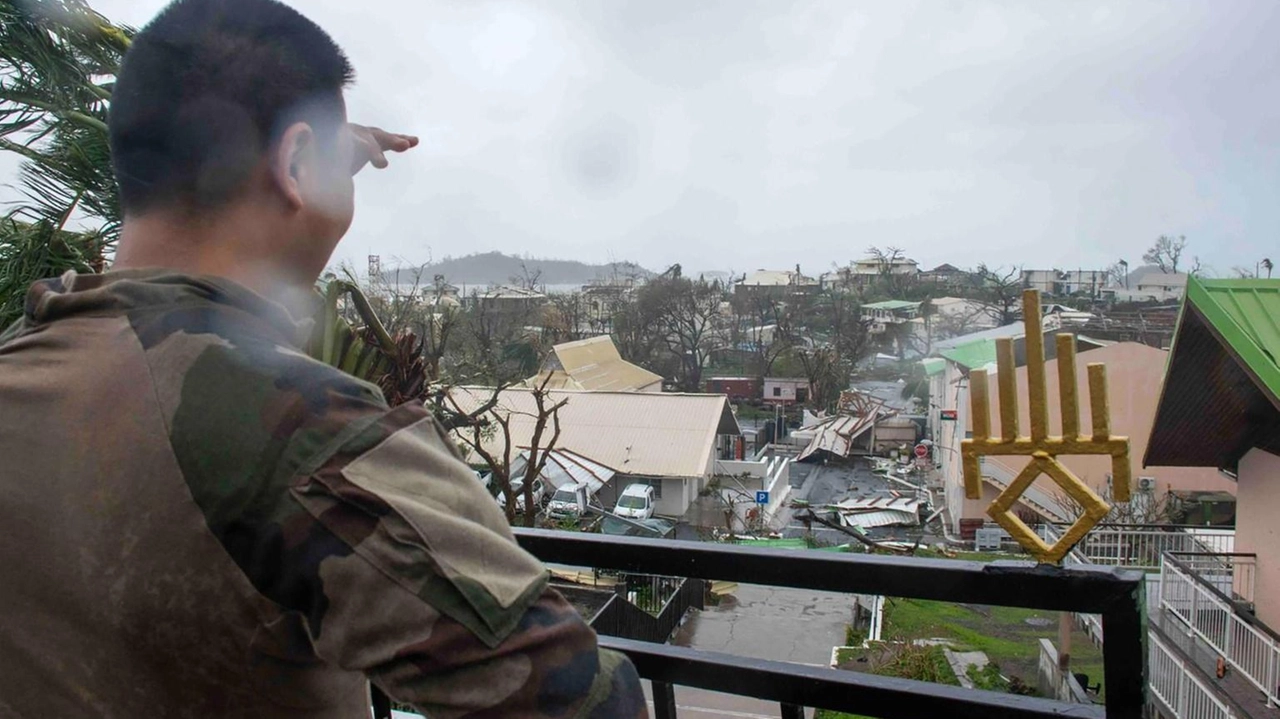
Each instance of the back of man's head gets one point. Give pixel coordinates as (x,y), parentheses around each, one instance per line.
(205,90)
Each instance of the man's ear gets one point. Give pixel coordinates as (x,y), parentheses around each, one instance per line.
(292,161)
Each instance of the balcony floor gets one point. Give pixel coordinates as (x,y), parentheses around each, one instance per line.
(1244,697)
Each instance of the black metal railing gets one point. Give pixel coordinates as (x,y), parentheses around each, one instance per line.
(1114,593)
(621,618)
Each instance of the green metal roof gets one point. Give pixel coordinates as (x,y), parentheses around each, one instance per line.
(978,353)
(933,365)
(891,305)
(1246,313)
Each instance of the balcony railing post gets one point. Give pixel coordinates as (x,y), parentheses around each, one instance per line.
(1228,629)
(1193,613)
(1273,673)
(664,700)
(1181,679)
(1123,649)
(1115,594)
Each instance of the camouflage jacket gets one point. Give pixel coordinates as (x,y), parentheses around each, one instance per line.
(197,520)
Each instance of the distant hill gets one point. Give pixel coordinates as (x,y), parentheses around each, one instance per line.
(496,268)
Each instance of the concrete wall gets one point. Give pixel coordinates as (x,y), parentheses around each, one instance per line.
(894,433)
(677,494)
(1257,507)
(769,474)
(949,389)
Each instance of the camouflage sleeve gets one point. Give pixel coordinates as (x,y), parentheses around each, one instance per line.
(436,602)
(365,526)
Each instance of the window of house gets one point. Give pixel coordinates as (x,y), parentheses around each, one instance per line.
(777,391)
(657,488)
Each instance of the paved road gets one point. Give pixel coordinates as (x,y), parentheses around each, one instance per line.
(794,625)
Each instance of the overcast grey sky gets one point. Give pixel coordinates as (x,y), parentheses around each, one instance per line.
(742,135)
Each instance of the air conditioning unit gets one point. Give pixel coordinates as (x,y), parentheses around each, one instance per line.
(1146,484)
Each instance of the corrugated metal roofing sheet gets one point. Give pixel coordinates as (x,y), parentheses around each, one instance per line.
(1247,315)
(566,468)
(976,354)
(594,364)
(836,434)
(646,433)
(933,365)
(891,305)
(1221,383)
(879,512)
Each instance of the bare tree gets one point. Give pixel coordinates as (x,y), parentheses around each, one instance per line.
(957,322)
(1116,273)
(490,425)
(683,316)
(770,330)
(1199,269)
(528,279)
(1166,252)
(1142,507)
(891,281)
(999,290)
(568,317)
(833,341)
(497,341)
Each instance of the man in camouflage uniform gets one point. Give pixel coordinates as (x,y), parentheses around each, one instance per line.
(198,520)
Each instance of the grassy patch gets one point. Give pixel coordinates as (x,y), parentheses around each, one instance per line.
(1002,632)
(907,661)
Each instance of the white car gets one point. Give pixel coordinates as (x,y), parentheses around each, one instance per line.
(517,488)
(635,502)
(568,501)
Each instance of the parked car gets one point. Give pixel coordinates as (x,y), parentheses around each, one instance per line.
(517,487)
(635,502)
(568,501)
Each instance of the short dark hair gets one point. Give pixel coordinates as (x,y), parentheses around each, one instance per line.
(203,92)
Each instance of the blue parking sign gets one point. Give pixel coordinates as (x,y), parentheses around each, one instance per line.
(762,497)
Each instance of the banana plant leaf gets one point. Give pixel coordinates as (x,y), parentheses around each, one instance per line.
(368,353)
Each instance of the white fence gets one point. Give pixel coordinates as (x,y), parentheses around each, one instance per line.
(1092,623)
(1141,545)
(1210,616)
(1178,687)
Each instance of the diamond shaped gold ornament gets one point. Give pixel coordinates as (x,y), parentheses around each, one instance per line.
(1042,448)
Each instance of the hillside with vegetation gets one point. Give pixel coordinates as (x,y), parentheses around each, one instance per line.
(499,268)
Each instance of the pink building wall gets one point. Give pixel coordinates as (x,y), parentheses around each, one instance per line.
(1258,528)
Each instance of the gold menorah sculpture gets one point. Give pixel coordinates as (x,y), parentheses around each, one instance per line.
(1041,447)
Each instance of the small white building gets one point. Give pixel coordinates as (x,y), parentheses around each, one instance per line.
(776,283)
(1149,284)
(882,315)
(786,390)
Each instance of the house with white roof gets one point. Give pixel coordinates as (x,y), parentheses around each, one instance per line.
(668,440)
(776,283)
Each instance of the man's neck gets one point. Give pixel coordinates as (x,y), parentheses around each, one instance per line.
(232,245)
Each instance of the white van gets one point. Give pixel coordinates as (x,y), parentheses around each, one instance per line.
(635,502)
(568,501)
(517,488)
